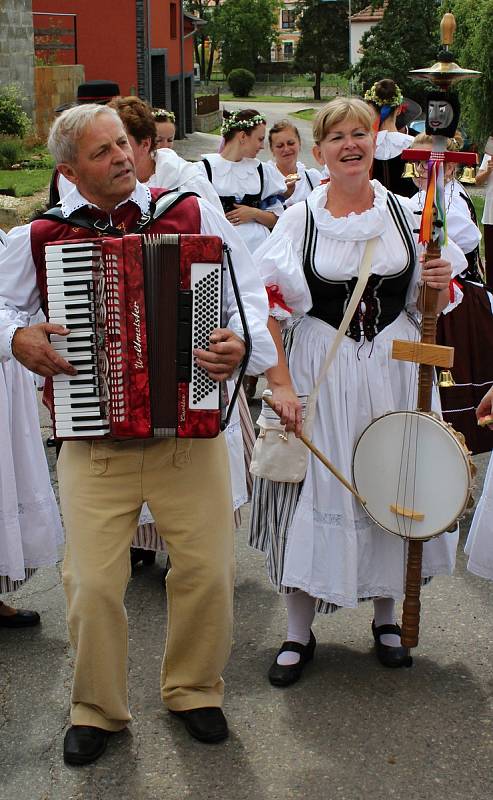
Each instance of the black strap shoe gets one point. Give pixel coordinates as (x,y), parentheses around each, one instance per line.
(390,656)
(206,724)
(21,619)
(286,674)
(84,744)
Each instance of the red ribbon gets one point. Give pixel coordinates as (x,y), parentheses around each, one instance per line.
(276,298)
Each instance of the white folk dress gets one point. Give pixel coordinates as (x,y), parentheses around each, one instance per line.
(238,178)
(479,544)
(315,535)
(30,527)
(309,179)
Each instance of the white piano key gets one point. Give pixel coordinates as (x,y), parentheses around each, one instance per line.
(73,336)
(71,304)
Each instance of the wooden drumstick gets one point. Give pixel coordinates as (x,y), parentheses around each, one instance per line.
(267,397)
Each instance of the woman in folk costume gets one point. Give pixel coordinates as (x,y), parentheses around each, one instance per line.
(479,544)
(285,145)
(385,100)
(30,527)
(322,550)
(165,127)
(250,191)
(470,326)
(485,178)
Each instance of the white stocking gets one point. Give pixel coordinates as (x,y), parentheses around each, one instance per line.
(384,610)
(301,611)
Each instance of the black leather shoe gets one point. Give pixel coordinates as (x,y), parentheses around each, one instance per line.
(21,619)
(205,724)
(285,675)
(390,656)
(138,554)
(84,744)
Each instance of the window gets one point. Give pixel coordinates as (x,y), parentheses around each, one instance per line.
(288,19)
(172,21)
(288,50)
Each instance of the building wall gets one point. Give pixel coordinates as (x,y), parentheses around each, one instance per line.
(17,48)
(357,31)
(105,39)
(114,46)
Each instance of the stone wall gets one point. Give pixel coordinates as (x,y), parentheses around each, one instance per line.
(54,86)
(17,47)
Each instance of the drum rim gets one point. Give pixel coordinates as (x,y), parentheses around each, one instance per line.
(430,415)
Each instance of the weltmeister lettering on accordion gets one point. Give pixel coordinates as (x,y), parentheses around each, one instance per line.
(136,307)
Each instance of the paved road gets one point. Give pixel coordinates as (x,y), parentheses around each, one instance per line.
(197,143)
(350,730)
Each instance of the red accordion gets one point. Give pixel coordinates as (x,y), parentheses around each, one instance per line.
(136,307)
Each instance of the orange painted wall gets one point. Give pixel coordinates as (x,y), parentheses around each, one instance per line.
(106,38)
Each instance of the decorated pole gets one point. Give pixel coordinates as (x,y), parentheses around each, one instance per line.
(442,116)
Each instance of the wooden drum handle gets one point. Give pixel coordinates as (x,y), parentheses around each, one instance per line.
(412,604)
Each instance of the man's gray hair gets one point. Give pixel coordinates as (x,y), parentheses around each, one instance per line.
(66,131)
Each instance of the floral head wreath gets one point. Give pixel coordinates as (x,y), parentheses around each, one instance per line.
(232,123)
(372,97)
(157,113)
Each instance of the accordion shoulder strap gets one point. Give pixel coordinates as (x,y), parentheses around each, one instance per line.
(81,219)
(165,202)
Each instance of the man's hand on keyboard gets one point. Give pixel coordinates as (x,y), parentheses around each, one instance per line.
(31,346)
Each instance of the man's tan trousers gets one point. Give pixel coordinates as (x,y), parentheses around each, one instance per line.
(187,486)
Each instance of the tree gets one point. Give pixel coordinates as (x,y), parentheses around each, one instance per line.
(247,30)
(206,40)
(406,38)
(324,44)
(473,48)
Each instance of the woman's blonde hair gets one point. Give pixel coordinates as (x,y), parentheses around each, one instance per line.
(425,138)
(338,110)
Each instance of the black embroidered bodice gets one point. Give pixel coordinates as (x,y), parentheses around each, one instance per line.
(228,201)
(384,296)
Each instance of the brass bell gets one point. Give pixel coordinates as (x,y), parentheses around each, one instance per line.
(468,175)
(410,170)
(445,379)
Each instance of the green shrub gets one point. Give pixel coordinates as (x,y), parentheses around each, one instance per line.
(241,82)
(13,119)
(11,152)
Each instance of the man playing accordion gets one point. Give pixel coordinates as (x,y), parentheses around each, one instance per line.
(103,483)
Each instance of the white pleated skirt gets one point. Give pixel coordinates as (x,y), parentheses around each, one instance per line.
(479,544)
(30,526)
(325,543)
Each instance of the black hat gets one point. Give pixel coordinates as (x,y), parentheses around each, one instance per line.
(92,92)
(410,110)
(97,91)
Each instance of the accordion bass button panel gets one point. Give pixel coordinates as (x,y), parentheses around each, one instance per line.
(206,316)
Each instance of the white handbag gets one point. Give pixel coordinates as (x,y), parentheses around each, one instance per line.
(279,455)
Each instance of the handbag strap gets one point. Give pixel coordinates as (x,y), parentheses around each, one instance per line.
(363,275)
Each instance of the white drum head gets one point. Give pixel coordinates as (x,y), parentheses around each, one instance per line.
(409,461)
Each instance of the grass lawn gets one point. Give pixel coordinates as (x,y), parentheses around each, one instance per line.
(478,202)
(24,182)
(306,113)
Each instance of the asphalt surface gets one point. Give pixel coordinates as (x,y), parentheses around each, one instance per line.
(349,730)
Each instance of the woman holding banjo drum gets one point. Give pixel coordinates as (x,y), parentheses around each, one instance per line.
(323,550)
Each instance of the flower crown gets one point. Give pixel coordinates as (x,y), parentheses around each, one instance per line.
(372,97)
(232,123)
(161,112)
